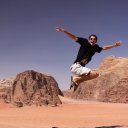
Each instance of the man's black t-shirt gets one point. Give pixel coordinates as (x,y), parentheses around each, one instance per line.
(86,50)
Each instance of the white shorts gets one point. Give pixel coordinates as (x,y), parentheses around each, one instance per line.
(77,70)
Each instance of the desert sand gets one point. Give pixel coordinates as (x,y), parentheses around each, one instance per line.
(71,114)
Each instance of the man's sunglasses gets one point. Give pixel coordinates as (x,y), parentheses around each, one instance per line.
(92,38)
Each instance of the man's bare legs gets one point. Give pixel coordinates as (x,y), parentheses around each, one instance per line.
(92,75)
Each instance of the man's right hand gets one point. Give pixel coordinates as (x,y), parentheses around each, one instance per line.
(59,29)
(67,33)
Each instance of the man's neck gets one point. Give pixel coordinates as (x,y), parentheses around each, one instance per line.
(92,44)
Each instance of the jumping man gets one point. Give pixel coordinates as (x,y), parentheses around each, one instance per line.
(88,48)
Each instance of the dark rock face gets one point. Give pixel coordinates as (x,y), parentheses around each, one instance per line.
(110,86)
(30,88)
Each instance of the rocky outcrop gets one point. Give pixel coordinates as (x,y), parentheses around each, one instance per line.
(30,88)
(110,86)
(117,93)
(5,94)
(6,82)
(5,89)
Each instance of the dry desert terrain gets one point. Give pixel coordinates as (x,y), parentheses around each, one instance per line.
(71,114)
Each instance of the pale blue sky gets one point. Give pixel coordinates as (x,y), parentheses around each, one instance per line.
(28,39)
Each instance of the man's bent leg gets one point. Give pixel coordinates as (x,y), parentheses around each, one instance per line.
(82,78)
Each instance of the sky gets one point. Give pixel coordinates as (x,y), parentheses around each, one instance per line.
(28,40)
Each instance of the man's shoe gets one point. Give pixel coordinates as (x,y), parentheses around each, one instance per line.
(71,84)
(74,86)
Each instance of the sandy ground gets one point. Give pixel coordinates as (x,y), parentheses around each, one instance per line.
(71,114)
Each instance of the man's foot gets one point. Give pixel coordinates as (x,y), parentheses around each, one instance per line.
(73,85)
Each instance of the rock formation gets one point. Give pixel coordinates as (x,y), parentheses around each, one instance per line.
(5,89)
(110,86)
(33,88)
(6,82)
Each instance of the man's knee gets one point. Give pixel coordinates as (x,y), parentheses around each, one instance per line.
(94,74)
(97,74)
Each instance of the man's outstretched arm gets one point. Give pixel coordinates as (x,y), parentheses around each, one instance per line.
(116,44)
(67,33)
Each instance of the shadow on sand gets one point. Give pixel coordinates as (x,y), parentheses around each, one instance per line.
(115,126)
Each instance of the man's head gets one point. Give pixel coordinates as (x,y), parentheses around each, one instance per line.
(93,39)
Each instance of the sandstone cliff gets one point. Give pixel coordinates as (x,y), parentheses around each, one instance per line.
(110,86)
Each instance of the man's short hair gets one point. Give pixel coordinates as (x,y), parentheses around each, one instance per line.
(94,36)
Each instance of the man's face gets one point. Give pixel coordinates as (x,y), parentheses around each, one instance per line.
(92,40)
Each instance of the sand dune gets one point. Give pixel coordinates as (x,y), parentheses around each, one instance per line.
(71,114)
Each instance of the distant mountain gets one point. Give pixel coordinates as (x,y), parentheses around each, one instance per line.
(6,82)
(110,86)
(5,89)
